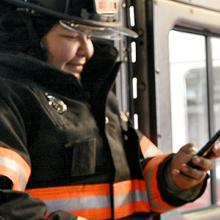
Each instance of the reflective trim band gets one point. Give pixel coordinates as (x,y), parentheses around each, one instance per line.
(150,172)
(90,201)
(130,197)
(149,149)
(13,166)
(66,192)
(107,7)
(93,201)
(128,186)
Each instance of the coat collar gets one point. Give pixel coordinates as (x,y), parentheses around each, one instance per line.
(97,75)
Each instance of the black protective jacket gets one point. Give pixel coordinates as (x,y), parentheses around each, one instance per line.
(62,141)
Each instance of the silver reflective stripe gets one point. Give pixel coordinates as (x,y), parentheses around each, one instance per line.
(92,202)
(134,196)
(15,167)
(85,203)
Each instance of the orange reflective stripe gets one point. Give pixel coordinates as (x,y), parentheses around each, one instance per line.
(128,186)
(148,148)
(14,167)
(150,173)
(65,192)
(90,200)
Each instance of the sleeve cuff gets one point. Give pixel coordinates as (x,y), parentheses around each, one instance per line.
(182,195)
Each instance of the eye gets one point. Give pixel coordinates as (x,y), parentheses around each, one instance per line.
(70,37)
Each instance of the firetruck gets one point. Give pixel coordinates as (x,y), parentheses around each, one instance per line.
(169,82)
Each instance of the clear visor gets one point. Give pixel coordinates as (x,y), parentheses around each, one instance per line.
(108,33)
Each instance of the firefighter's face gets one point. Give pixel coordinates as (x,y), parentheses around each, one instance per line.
(67,50)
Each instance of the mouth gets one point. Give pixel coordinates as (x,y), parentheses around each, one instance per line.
(74,67)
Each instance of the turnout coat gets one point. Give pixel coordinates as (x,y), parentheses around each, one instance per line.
(64,150)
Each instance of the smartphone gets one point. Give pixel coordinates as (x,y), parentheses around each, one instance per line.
(206,149)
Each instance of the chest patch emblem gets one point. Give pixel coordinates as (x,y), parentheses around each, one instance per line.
(56,103)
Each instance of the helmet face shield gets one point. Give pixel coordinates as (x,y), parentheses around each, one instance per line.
(99,16)
(95,32)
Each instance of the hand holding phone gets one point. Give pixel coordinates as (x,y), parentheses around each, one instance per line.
(206,149)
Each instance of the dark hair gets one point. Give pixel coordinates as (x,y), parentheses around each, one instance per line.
(21,32)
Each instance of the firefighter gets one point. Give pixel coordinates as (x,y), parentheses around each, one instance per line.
(65,152)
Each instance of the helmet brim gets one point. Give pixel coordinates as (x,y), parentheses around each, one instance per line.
(115,26)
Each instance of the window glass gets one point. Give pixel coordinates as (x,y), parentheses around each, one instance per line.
(215,42)
(188,79)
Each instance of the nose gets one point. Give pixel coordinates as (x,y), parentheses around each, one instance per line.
(86,48)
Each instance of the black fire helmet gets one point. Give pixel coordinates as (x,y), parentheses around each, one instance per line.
(99,17)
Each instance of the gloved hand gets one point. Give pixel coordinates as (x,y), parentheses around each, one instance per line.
(185,177)
(20,206)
